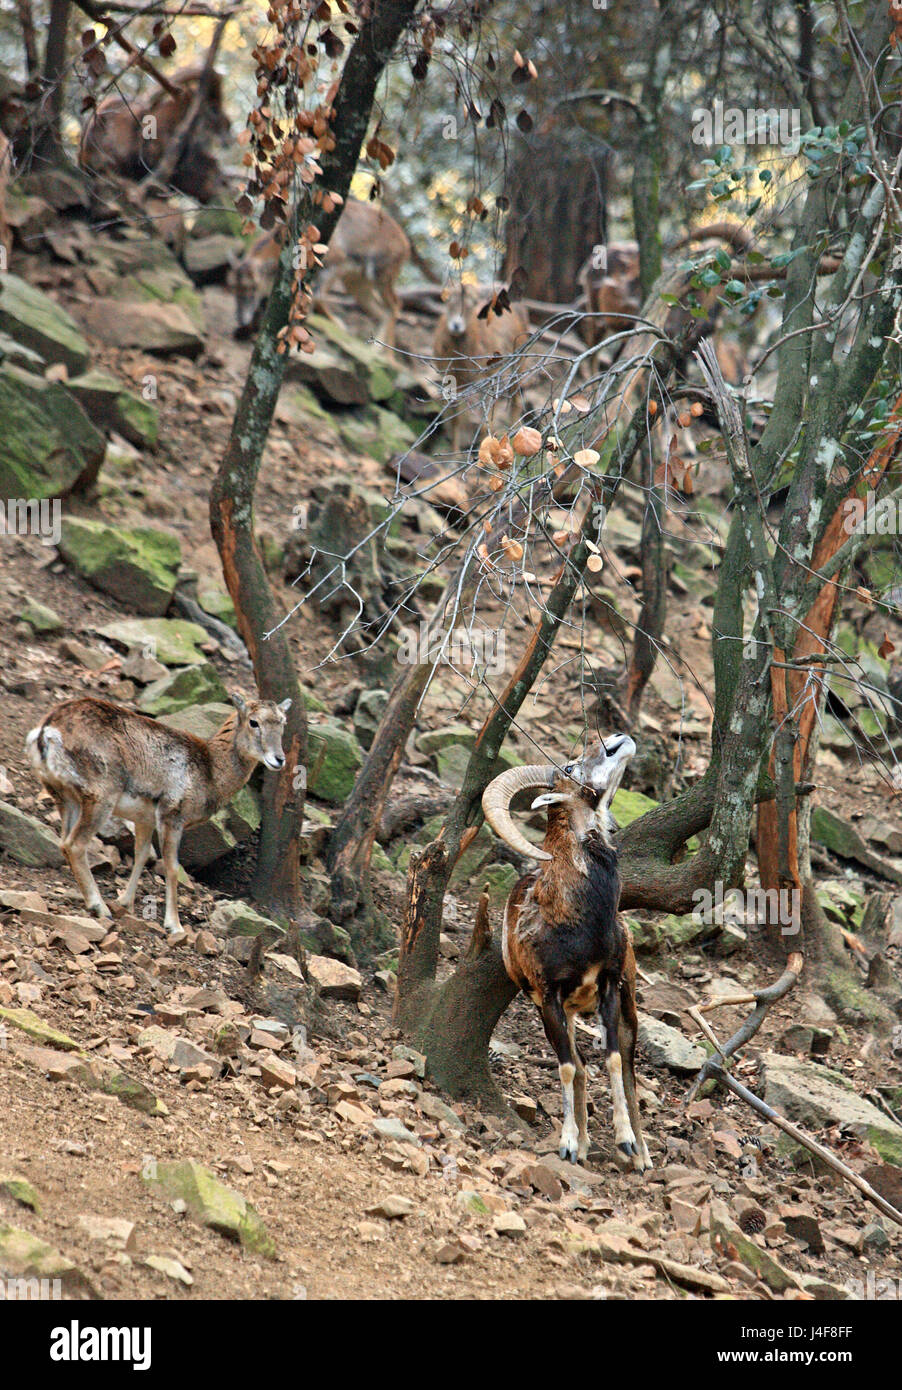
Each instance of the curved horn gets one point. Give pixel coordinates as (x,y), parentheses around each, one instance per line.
(497,797)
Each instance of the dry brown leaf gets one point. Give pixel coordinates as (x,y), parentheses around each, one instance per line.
(527,442)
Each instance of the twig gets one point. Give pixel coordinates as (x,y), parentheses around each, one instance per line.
(768,1113)
(763,999)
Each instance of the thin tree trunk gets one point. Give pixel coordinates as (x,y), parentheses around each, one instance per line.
(232,495)
(29,38)
(650,624)
(795,711)
(48,145)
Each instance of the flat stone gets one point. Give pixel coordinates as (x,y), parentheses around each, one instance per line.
(137,565)
(173,1269)
(162,329)
(333,978)
(35,320)
(169,641)
(816,1096)
(35,1027)
(392,1207)
(664,1046)
(113,1230)
(390,1127)
(276,1072)
(27,840)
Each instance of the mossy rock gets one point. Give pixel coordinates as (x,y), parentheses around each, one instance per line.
(40,618)
(333,761)
(189,685)
(203,844)
(381,376)
(814,1095)
(36,321)
(648,937)
(213,1204)
(139,565)
(215,600)
(629,806)
(232,917)
(20,1190)
(109,404)
(18,355)
(850,1000)
(379,433)
(434,740)
(50,448)
(24,1256)
(171,641)
(454,759)
(38,1030)
(216,221)
(501,879)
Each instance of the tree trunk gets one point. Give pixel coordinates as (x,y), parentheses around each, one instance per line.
(29,38)
(557,185)
(48,143)
(277,880)
(650,624)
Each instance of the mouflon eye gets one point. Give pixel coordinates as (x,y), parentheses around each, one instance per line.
(254,724)
(568,770)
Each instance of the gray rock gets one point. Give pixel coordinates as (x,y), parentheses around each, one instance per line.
(390,1127)
(27,840)
(816,1096)
(36,321)
(664,1046)
(233,918)
(163,329)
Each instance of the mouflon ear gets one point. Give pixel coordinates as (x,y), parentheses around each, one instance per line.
(547,799)
(238,701)
(285,706)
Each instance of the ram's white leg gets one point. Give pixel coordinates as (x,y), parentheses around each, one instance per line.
(624,1137)
(569,1146)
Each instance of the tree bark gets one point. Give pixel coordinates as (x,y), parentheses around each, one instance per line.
(277,879)
(48,144)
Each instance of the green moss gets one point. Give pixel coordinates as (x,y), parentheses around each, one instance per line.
(49,444)
(36,321)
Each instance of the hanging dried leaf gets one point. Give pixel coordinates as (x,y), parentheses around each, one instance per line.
(527,442)
(587,458)
(594,563)
(886,647)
